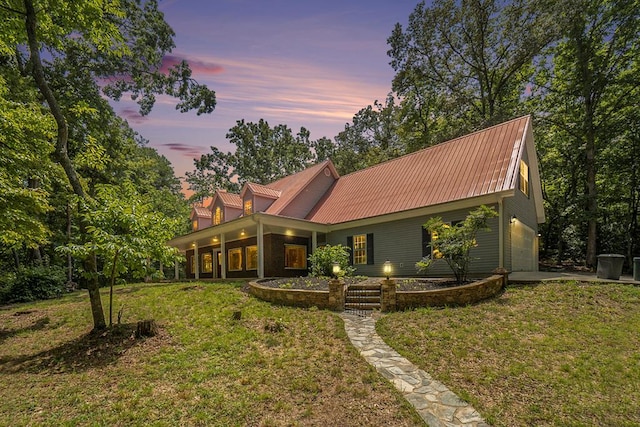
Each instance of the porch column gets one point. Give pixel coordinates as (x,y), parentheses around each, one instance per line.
(223,256)
(196,261)
(260,241)
(176,270)
(314,241)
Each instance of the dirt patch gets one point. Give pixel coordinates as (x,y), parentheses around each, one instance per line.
(428,284)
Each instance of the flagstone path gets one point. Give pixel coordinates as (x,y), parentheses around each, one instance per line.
(435,403)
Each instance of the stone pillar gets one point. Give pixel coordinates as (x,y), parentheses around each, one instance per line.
(336,295)
(505,276)
(388,296)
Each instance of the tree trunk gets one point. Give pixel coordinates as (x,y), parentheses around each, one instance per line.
(146,328)
(62,154)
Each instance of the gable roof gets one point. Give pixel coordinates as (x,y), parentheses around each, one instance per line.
(260,190)
(200,212)
(231,200)
(291,186)
(473,165)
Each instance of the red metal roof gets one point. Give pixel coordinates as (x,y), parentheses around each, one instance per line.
(229,199)
(290,186)
(260,190)
(201,212)
(474,165)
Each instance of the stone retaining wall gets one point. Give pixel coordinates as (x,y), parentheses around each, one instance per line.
(404,300)
(459,295)
(293,297)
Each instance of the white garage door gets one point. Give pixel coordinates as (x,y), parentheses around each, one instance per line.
(523,246)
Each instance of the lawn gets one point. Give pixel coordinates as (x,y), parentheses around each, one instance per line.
(562,354)
(275,366)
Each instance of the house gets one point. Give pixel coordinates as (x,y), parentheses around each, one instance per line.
(270,230)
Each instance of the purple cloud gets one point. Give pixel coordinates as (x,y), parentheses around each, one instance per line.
(189,151)
(198,67)
(132,115)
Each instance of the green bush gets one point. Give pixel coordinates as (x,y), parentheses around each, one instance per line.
(323,258)
(35,283)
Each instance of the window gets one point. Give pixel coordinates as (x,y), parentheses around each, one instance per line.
(206,264)
(252,257)
(217,217)
(360,249)
(192,263)
(295,256)
(524,178)
(195,225)
(248,207)
(235,259)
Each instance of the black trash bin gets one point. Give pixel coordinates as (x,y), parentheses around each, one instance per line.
(610,266)
(636,269)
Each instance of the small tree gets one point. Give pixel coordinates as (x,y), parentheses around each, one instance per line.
(453,243)
(125,232)
(323,258)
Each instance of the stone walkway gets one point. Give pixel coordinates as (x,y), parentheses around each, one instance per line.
(435,403)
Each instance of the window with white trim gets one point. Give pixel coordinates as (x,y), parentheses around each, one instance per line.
(234,259)
(217,216)
(524,178)
(295,257)
(360,249)
(248,207)
(252,257)
(206,265)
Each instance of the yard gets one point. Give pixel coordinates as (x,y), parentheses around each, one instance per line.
(553,354)
(563,354)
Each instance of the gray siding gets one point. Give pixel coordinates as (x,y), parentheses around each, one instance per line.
(401,243)
(524,209)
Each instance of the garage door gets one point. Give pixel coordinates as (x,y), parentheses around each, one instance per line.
(523,245)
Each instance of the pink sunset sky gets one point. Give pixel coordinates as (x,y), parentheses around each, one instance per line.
(294,62)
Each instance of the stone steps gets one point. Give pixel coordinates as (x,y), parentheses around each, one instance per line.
(362,297)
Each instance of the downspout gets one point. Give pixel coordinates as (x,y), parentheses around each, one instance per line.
(501,232)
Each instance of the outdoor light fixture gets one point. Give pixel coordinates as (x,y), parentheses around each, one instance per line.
(513,219)
(387,268)
(335,269)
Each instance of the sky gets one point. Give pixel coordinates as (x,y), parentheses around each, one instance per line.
(295,62)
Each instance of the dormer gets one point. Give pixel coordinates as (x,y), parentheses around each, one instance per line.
(225,207)
(257,197)
(200,217)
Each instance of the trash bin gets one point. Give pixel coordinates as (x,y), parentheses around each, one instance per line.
(636,269)
(610,266)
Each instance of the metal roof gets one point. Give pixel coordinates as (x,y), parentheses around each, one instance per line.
(290,186)
(260,190)
(473,165)
(229,199)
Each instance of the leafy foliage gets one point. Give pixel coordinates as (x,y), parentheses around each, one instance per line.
(263,155)
(323,258)
(34,283)
(453,244)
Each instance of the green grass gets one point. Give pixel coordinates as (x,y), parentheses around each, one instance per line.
(275,366)
(564,354)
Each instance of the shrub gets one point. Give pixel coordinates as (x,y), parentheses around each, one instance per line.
(35,283)
(454,243)
(323,258)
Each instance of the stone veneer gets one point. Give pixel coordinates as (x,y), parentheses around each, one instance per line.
(458,295)
(404,300)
